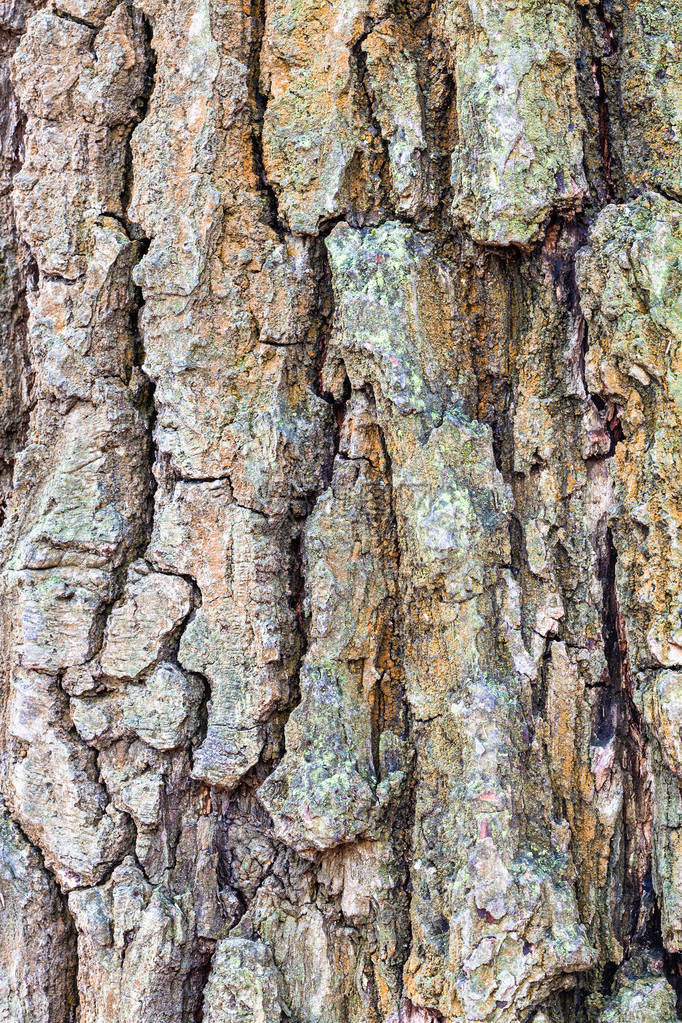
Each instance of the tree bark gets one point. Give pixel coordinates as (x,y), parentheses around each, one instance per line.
(341,541)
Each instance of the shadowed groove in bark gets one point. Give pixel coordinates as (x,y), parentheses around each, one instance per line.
(359,64)
(403,832)
(604,38)
(324,314)
(624,718)
(146,388)
(22,277)
(69,947)
(258,104)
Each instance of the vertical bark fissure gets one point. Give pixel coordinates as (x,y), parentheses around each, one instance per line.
(637,810)
(70,941)
(606,45)
(359,63)
(24,278)
(137,377)
(258,105)
(404,833)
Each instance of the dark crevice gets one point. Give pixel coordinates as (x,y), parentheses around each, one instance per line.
(74,19)
(297,604)
(621,717)
(376,726)
(563,237)
(110,215)
(169,651)
(60,279)
(359,65)
(144,394)
(608,977)
(497,440)
(415,11)
(607,47)
(195,480)
(324,317)
(581,349)
(258,102)
(608,30)
(143,26)
(604,127)
(20,274)
(298,589)
(558,249)
(665,193)
(491,402)
(197,978)
(404,826)
(516,545)
(411,1013)
(324,309)
(540,688)
(340,407)
(672,967)
(70,938)
(609,413)
(242,803)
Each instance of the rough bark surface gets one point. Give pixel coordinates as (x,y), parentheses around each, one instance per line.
(341,514)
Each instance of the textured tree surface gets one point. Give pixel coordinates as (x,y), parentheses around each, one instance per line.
(341,544)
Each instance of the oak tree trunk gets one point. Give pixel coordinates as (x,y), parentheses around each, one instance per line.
(341,488)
